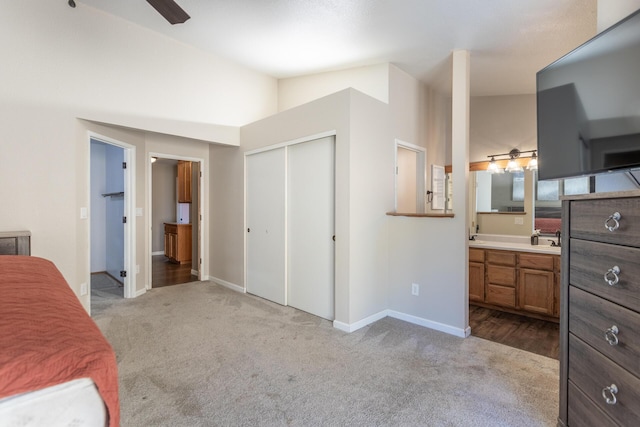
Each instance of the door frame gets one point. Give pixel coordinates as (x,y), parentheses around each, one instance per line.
(129,210)
(421,174)
(199,216)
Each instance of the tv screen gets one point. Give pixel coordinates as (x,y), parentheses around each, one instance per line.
(588,106)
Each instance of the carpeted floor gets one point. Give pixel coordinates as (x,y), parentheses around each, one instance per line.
(200,354)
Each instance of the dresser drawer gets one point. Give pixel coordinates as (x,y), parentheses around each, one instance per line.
(591,372)
(501,258)
(589,263)
(589,319)
(583,412)
(588,220)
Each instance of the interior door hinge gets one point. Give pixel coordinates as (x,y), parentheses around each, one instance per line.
(123,273)
(124,219)
(124,165)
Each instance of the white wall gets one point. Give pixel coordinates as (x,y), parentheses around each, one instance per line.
(372,80)
(61,63)
(364,193)
(612,11)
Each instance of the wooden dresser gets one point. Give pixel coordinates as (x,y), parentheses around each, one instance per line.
(600,311)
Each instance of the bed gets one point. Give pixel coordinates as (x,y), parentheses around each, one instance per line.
(56,367)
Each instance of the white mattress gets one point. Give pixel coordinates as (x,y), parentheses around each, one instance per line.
(75,403)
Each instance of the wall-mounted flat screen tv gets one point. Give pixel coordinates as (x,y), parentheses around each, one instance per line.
(589,106)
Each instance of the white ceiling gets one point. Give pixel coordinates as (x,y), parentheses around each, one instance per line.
(509,40)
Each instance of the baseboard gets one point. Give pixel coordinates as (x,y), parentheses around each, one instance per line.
(194,273)
(157,253)
(351,327)
(458,332)
(226,284)
(140,292)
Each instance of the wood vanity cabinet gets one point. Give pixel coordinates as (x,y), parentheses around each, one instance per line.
(184,181)
(600,313)
(476,274)
(177,242)
(518,282)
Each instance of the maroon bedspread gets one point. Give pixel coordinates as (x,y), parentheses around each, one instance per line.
(46,336)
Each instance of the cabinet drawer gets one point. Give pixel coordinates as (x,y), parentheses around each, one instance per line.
(476,255)
(501,257)
(588,220)
(505,276)
(589,263)
(589,319)
(171,228)
(591,372)
(583,412)
(501,295)
(536,261)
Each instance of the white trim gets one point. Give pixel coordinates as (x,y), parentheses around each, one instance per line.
(421,174)
(195,272)
(157,253)
(226,284)
(129,210)
(140,292)
(462,333)
(351,327)
(292,142)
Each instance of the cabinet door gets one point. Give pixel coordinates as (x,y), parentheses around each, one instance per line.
(476,281)
(184,181)
(536,291)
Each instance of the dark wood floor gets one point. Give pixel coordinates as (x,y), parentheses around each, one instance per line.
(535,336)
(165,273)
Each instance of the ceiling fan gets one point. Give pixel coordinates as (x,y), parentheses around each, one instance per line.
(170,10)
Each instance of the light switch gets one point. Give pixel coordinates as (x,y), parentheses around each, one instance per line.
(83,213)
(138,211)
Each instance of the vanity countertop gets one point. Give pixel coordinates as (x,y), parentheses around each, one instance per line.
(515,246)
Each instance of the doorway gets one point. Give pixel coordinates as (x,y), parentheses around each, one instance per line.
(175,220)
(111,222)
(410,177)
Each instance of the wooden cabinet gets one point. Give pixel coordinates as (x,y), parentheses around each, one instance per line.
(177,242)
(476,274)
(518,282)
(600,311)
(184,181)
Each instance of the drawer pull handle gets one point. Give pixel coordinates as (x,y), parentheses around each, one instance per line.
(609,394)
(611,276)
(613,219)
(611,335)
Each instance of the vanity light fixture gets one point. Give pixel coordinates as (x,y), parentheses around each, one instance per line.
(513,165)
(533,163)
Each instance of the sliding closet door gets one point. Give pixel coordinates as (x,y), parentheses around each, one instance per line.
(266,186)
(310,227)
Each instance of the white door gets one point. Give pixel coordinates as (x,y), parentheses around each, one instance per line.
(266,186)
(310,227)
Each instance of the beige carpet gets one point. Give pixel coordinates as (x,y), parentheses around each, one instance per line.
(200,354)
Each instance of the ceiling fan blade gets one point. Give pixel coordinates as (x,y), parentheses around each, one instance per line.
(170,10)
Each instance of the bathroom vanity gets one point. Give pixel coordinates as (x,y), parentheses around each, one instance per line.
(515,277)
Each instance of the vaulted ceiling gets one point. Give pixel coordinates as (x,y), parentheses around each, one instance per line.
(509,40)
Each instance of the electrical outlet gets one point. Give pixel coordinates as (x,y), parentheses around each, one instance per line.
(519,220)
(415,289)
(137,268)
(83,289)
